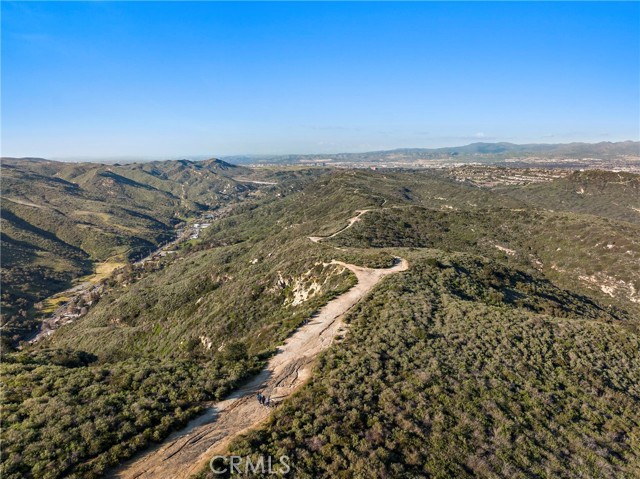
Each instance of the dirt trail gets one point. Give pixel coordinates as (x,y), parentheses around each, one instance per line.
(355,219)
(351,222)
(255,182)
(187,451)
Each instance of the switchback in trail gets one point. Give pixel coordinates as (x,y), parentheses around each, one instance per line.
(186,452)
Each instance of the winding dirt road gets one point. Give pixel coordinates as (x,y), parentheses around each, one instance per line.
(351,222)
(186,452)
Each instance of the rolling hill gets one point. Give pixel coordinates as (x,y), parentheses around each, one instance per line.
(509,348)
(59,219)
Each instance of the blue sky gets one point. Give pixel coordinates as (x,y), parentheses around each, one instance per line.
(101,79)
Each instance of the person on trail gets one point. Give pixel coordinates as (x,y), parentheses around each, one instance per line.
(267,401)
(260,398)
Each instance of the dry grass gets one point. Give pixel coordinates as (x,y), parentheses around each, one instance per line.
(102,271)
(52,303)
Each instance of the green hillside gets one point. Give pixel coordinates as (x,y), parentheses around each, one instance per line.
(60,218)
(467,372)
(584,253)
(612,195)
(508,349)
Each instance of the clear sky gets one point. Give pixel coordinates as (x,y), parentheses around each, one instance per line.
(103,79)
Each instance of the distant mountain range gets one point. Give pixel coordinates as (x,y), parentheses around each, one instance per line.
(473,152)
(477,152)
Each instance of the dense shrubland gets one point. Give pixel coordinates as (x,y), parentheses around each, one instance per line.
(66,416)
(612,195)
(580,252)
(456,381)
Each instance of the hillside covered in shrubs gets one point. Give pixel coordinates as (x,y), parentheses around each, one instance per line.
(508,349)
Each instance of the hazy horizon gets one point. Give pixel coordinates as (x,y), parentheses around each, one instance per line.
(205,156)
